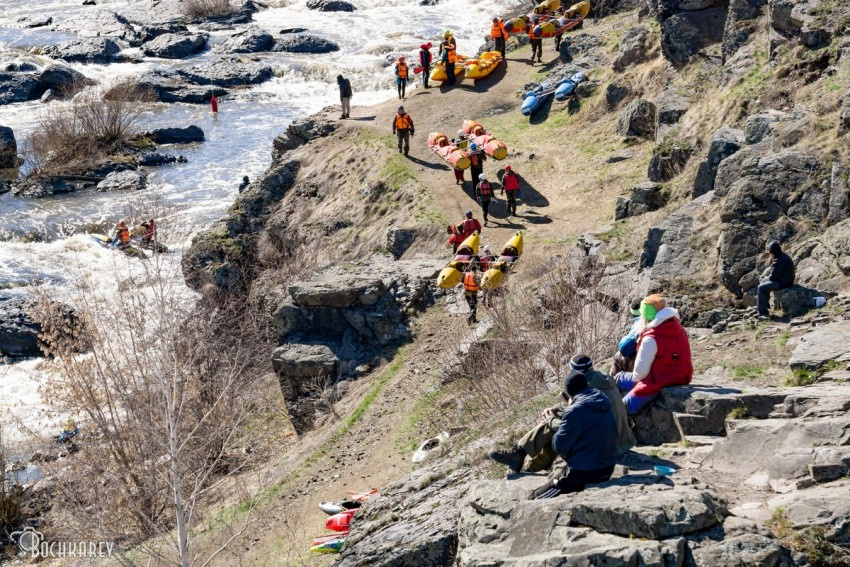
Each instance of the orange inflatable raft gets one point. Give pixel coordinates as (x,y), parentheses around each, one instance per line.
(444,148)
(494,148)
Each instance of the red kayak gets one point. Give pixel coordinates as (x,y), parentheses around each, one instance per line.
(340,522)
(332,537)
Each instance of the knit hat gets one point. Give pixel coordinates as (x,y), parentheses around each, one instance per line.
(575,383)
(581,363)
(774,248)
(651,305)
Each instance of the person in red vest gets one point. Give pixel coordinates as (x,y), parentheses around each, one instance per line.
(471,285)
(425,62)
(510,188)
(214,104)
(469,225)
(663,355)
(484,194)
(455,237)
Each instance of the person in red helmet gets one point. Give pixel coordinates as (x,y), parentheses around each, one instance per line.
(425,62)
(401,76)
(122,235)
(510,188)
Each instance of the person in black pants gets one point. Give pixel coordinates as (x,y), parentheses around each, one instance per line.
(781,277)
(484,194)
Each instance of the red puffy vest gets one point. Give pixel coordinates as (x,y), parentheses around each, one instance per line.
(510,182)
(672,364)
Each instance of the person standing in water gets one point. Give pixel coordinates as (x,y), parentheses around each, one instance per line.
(214,104)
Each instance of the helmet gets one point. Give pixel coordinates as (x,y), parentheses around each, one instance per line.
(482,177)
(425,46)
(461,133)
(401,58)
(469,214)
(473,146)
(400,108)
(508,168)
(487,248)
(447,34)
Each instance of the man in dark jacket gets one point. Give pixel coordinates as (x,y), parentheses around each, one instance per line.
(781,276)
(345,94)
(425,62)
(537,443)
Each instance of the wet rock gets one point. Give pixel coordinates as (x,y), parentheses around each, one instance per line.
(304,43)
(633,48)
(99,50)
(154,159)
(94,24)
(175,46)
(35,21)
(17,87)
(330,6)
(187,135)
(89,3)
(668,160)
(615,94)
(227,72)
(822,345)
(42,187)
(724,143)
(18,331)
(685,34)
(250,40)
(145,34)
(8,148)
(168,86)
(399,240)
(123,181)
(302,131)
(747,550)
(62,78)
(637,119)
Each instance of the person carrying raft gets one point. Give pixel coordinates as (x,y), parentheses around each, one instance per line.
(455,237)
(425,62)
(499,35)
(403,129)
(471,285)
(476,161)
(510,188)
(122,235)
(484,194)
(401,75)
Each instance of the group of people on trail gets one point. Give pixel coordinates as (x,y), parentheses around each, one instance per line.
(483,188)
(591,432)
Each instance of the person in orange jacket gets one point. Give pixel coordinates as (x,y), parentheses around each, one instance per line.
(402,72)
(499,35)
(403,128)
(471,285)
(122,235)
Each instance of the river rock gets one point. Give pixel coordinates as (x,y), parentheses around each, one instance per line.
(187,135)
(94,24)
(302,131)
(99,50)
(17,87)
(175,46)
(123,181)
(685,34)
(35,21)
(250,40)
(822,345)
(154,159)
(399,240)
(227,72)
(637,119)
(62,78)
(8,148)
(330,5)
(42,187)
(146,34)
(633,48)
(18,332)
(305,43)
(168,86)
(746,550)
(826,506)
(724,143)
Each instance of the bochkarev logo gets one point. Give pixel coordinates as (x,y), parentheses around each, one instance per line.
(31,542)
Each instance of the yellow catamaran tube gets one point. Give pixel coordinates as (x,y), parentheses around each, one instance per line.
(438,73)
(494,277)
(450,275)
(483,66)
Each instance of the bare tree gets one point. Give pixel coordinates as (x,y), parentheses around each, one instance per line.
(164,397)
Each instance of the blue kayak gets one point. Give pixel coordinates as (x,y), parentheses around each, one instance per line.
(534,99)
(568,86)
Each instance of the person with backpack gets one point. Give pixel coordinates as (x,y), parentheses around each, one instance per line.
(401,76)
(510,188)
(484,194)
(345,94)
(425,62)
(476,160)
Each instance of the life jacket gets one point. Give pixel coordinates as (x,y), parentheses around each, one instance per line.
(510,182)
(124,235)
(424,57)
(475,160)
(469,283)
(485,190)
(150,230)
(672,364)
(402,121)
(469,226)
(451,55)
(498,30)
(401,70)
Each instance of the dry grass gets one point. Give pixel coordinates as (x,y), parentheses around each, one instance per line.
(207,8)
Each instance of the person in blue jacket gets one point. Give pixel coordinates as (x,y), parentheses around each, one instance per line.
(624,358)
(586,439)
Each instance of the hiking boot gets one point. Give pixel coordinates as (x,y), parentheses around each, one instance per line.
(513,458)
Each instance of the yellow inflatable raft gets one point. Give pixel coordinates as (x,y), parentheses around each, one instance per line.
(546,7)
(483,66)
(450,275)
(494,277)
(438,73)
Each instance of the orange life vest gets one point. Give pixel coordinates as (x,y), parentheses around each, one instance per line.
(124,235)
(498,30)
(401,70)
(469,283)
(402,121)
(450,52)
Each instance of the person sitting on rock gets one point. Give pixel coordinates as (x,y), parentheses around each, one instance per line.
(586,439)
(663,355)
(781,277)
(624,358)
(537,443)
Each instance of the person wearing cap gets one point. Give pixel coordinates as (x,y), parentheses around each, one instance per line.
(469,226)
(476,162)
(403,129)
(781,276)
(425,62)
(499,35)
(537,443)
(663,355)
(484,194)
(510,188)
(401,76)
(471,285)
(345,94)
(624,358)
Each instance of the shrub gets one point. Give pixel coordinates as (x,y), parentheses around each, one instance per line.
(206,8)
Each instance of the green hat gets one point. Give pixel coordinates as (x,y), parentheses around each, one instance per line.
(651,305)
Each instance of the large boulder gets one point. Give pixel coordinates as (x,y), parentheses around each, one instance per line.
(61,78)
(788,127)
(330,5)
(169,86)
(18,331)
(399,240)
(187,135)
(633,48)
(301,131)
(823,261)
(821,346)
(42,187)
(18,87)
(175,45)
(616,93)
(8,148)
(227,72)
(671,107)
(305,43)
(250,40)
(746,550)
(644,197)
(100,50)
(826,507)
(668,160)
(637,119)
(685,34)
(123,181)
(724,143)
(298,361)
